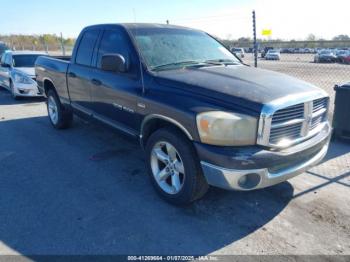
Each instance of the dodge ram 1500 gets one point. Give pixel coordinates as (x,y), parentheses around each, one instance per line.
(202,116)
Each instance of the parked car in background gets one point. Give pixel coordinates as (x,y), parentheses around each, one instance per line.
(340,54)
(325,56)
(3,48)
(203,118)
(273,54)
(238,52)
(265,50)
(346,59)
(17,73)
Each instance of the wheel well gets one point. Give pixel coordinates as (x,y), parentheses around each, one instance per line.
(48,85)
(155,124)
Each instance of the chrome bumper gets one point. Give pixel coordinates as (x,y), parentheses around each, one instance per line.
(252,179)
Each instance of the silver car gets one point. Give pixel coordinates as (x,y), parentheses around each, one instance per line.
(238,52)
(17,73)
(273,54)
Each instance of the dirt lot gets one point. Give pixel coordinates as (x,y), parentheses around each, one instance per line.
(85,191)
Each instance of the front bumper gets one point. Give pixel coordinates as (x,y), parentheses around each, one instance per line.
(27,90)
(255,167)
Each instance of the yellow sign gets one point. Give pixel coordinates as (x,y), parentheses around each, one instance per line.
(266,32)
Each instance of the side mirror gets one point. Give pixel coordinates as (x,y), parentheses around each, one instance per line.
(114,63)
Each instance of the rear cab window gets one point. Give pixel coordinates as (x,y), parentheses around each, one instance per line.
(86,47)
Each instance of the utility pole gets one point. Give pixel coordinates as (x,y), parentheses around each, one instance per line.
(62,46)
(255,43)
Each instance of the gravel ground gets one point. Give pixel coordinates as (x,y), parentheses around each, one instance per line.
(85,191)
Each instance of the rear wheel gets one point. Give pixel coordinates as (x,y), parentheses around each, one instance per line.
(174,167)
(59,117)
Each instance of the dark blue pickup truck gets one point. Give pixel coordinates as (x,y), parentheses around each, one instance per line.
(202,116)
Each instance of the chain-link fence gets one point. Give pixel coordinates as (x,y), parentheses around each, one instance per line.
(322,63)
(51,44)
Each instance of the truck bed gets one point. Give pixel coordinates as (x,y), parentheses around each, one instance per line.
(54,69)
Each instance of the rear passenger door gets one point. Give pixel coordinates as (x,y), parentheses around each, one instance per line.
(114,94)
(80,71)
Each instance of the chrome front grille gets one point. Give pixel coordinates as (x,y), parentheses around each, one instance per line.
(320,104)
(289,132)
(294,123)
(287,114)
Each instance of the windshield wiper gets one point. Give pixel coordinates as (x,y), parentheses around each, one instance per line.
(184,63)
(223,61)
(196,63)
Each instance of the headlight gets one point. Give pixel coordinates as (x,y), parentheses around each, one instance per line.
(21,79)
(227,129)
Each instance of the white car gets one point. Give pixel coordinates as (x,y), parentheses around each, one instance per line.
(238,52)
(273,55)
(17,73)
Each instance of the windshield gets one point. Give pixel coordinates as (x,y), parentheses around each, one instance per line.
(273,51)
(24,60)
(164,46)
(326,53)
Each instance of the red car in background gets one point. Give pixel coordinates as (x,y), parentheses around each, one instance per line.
(346,59)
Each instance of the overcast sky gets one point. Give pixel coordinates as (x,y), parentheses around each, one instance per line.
(288,19)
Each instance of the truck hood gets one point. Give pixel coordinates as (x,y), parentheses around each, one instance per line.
(236,82)
(28,71)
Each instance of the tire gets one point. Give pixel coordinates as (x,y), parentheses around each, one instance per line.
(14,96)
(191,182)
(59,117)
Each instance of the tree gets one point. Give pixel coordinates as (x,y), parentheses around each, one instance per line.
(341,38)
(311,37)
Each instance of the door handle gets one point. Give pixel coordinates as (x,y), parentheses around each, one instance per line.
(72,75)
(96,82)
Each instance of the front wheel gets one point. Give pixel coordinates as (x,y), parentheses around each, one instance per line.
(174,167)
(59,117)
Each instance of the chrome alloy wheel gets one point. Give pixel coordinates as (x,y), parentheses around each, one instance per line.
(167,167)
(52,108)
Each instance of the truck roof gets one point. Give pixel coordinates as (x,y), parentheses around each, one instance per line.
(140,26)
(25,52)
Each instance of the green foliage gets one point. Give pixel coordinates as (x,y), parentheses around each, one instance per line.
(46,42)
(341,38)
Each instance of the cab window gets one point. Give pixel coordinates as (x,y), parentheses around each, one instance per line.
(86,48)
(113,42)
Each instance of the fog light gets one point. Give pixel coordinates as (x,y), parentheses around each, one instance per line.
(24,91)
(249,181)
